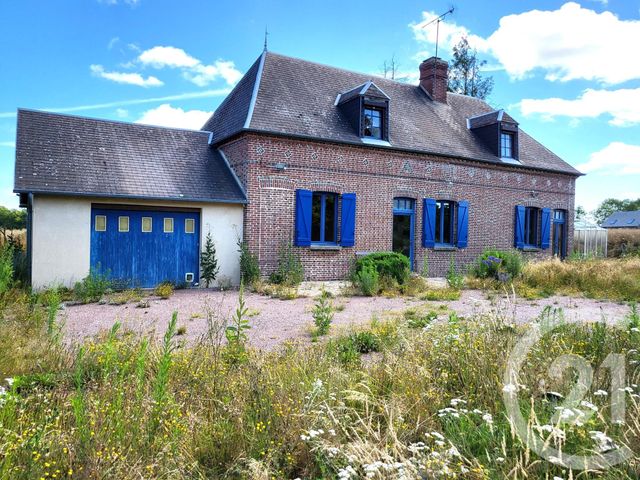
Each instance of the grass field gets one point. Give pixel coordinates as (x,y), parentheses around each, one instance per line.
(406,398)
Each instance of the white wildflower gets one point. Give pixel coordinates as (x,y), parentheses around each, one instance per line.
(9,381)
(499,459)
(626,389)
(439,436)
(558,478)
(509,388)
(589,405)
(347,472)
(488,418)
(600,393)
(605,443)
(456,401)
(317,385)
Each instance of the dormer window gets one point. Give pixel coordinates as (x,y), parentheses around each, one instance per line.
(366,107)
(506,145)
(499,132)
(372,122)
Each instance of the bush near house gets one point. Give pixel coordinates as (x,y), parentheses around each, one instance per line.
(289,271)
(249,265)
(392,265)
(122,406)
(492,262)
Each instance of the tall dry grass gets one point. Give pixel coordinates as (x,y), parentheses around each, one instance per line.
(19,235)
(623,242)
(616,279)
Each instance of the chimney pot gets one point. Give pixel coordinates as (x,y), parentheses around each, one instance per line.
(433,78)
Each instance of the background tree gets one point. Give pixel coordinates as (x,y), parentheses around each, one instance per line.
(209,261)
(390,68)
(12,220)
(580,213)
(611,205)
(464,72)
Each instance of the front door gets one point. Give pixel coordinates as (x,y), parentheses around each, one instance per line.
(559,233)
(403,226)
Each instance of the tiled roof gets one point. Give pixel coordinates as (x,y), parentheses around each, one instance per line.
(63,154)
(297,98)
(623,220)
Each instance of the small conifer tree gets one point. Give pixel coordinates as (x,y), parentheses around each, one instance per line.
(209,261)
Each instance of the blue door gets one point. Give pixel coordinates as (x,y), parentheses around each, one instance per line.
(560,233)
(403,227)
(142,248)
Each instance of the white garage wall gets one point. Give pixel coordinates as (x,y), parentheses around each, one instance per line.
(62,236)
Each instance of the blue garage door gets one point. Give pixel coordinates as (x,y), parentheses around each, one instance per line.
(142,248)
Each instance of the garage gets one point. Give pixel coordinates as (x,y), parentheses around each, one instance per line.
(142,247)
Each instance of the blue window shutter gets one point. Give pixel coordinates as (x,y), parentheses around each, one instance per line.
(546,228)
(348,220)
(519,233)
(463,224)
(428,222)
(303,218)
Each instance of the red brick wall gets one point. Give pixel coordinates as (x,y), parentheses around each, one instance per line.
(377,176)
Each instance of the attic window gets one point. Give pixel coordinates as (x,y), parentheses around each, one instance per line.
(506,145)
(373,122)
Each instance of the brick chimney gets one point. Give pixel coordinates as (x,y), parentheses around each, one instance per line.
(434,82)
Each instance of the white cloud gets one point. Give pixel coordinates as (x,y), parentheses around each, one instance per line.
(449,35)
(113,42)
(219,92)
(126,78)
(132,3)
(617,158)
(167,116)
(193,69)
(8,144)
(122,112)
(621,105)
(173,57)
(569,43)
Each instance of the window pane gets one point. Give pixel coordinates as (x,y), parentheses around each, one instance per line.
(189,225)
(330,218)
(531,226)
(123,224)
(147,224)
(316,206)
(373,123)
(168,225)
(101,223)
(506,145)
(446,227)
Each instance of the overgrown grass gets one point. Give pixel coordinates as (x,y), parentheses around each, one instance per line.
(128,407)
(615,279)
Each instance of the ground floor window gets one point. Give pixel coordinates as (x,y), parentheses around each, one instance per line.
(324,215)
(531,226)
(444,222)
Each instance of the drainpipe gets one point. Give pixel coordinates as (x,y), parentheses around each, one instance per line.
(29,235)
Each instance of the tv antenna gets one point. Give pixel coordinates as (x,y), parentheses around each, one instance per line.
(437,21)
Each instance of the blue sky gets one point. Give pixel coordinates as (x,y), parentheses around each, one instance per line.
(566,71)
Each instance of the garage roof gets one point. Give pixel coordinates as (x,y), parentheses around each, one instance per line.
(70,155)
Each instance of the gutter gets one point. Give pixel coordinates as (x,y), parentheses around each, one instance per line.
(130,197)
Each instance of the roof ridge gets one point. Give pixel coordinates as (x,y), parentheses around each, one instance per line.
(107,120)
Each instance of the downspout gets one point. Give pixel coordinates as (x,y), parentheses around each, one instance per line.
(29,235)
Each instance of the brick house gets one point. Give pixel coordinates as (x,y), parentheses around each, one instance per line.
(336,162)
(341,163)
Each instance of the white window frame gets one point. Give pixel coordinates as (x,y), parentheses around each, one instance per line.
(95,225)
(164,225)
(193,225)
(150,225)
(120,219)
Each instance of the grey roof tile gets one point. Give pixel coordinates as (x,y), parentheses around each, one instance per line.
(623,220)
(296,97)
(63,154)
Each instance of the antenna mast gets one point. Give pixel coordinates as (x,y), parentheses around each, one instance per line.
(266,33)
(437,20)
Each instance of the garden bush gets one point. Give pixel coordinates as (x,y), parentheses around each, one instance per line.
(249,265)
(368,280)
(387,264)
(164,290)
(92,287)
(289,271)
(492,262)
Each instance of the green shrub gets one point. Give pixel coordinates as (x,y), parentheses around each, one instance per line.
(493,261)
(454,279)
(368,280)
(92,287)
(289,271)
(388,264)
(441,294)
(209,262)
(417,320)
(164,290)
(349,348)
(249,265)
(322,314)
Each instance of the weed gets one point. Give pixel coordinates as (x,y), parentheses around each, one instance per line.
(454,279)
(368,280)
(6,267)
(415,319)
(182,330)
(92,287)
(249,265)
(441,294)
(322,314)
(289,271)
(236,333)
(164,290)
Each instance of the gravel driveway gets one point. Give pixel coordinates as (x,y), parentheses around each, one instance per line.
(275,321)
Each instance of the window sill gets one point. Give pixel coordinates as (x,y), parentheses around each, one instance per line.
(320,246)
(445,248)
(531,249)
